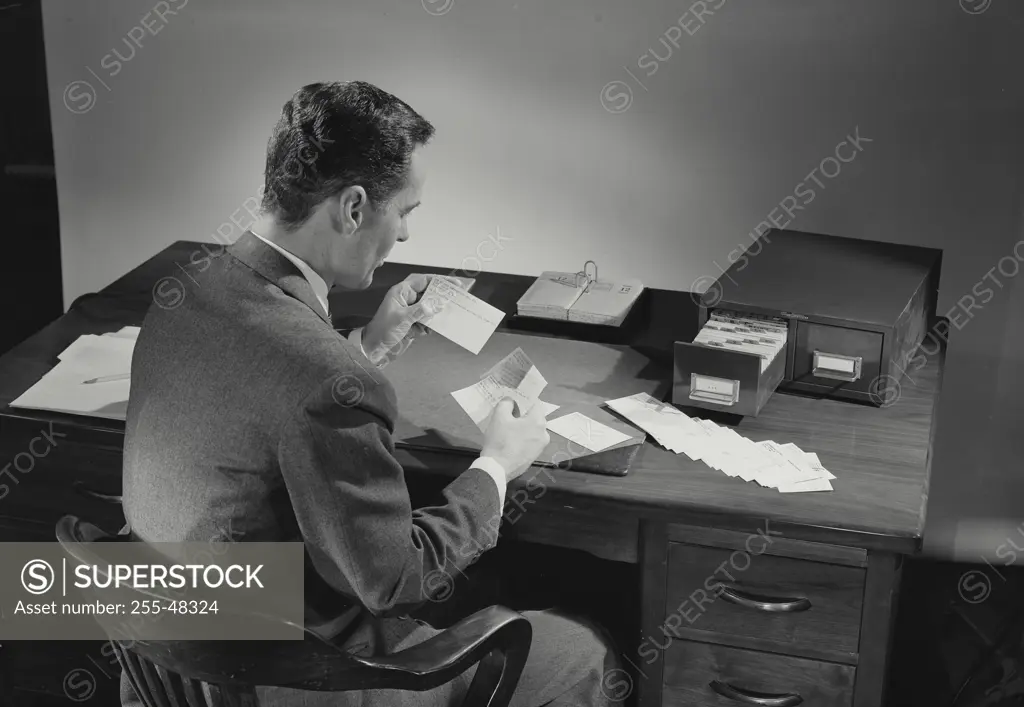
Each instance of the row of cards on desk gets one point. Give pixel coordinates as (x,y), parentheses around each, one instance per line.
(785,467)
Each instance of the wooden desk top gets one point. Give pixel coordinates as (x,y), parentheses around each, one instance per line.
(880,456)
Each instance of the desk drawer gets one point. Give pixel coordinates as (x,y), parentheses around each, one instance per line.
(831,356)
(46,482)
(705,675)
(762,601)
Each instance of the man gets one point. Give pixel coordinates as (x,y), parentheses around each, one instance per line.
(236,425)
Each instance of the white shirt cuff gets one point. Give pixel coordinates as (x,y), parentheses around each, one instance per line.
(493,468)
(355,337)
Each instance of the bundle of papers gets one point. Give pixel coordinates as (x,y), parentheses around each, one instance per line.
(513,377)
(551,295)
(92,378)
(764,336)
(571,297)
(785,467)
(463,318)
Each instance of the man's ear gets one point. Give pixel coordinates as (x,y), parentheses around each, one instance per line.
(353,207)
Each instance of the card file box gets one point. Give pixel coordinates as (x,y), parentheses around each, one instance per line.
(856,311)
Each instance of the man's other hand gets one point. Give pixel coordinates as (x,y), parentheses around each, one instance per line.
(515,442)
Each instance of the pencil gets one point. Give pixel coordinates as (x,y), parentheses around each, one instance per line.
(106,379)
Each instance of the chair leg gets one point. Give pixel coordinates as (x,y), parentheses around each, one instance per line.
(496,678)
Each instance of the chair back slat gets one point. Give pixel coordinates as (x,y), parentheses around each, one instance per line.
(173,689)
(137,679)
(158,687)
(195,693)
(154,684)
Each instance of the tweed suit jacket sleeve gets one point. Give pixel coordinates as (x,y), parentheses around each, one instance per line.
(353,509)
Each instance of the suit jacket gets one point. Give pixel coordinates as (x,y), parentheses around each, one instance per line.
(252,419)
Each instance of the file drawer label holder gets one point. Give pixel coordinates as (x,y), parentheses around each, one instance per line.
(836,366)
(710,389)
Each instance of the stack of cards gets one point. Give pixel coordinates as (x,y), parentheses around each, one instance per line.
(514,377)
(785,467)
(764,336)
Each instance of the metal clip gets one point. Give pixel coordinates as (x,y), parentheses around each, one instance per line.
(585,275)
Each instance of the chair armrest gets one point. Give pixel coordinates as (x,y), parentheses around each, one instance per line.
(461,645)
(434,662)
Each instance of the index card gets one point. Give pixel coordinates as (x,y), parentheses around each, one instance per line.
(514,377)
(463,318)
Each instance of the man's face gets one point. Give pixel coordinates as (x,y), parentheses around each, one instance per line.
(370,243)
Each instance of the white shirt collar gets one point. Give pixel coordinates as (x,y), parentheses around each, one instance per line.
(320,288)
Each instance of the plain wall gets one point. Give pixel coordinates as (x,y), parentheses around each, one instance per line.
(558,127)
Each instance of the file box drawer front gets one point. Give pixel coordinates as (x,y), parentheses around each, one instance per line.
(723,380)
(797,606)
(835,356)
(707,675)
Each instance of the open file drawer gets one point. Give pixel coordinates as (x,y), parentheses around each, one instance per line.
(724,380)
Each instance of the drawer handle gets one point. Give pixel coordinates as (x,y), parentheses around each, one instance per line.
(96,495)
(709,389)
(763,603)
(836,366)
(749,697)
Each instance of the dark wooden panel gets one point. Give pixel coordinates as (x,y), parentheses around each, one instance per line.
(608,537)
(690,669)
(47,476)
(648,660)
(701,581)
(783,547)
(883,583)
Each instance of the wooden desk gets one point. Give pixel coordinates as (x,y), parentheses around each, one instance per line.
(781,593)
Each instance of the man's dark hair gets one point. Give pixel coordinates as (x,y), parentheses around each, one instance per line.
(335,135)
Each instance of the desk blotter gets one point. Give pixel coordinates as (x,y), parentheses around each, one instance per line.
(580,375)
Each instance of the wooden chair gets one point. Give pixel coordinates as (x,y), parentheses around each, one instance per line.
(195,673)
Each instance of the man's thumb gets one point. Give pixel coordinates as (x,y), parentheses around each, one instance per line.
(505,407)
(422,310)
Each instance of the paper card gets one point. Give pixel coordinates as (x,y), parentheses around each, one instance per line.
(517,371)
(513,377)
(816,465)
(107,354)
(546,407)
(580,429)
(785,471)
(464,319)
(804,486)
(480,399)
(62,390)
(128,332)
(671,428)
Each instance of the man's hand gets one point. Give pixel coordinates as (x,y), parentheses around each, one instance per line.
(515,442)
(397,321)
